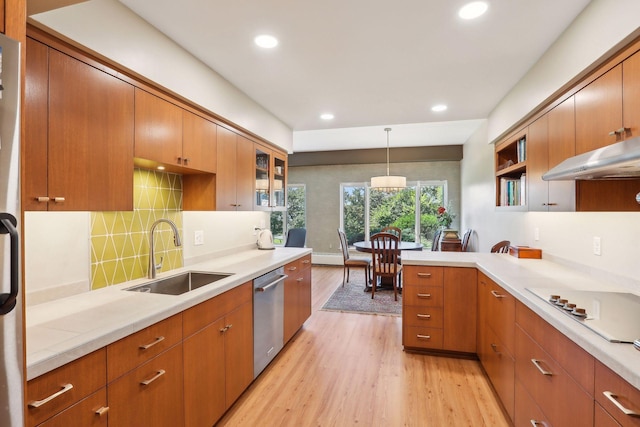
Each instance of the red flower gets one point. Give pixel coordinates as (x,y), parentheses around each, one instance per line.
(441,210)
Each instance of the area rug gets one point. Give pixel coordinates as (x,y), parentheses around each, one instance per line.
(353,299)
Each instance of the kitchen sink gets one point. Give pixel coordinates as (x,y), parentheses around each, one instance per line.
(179,284)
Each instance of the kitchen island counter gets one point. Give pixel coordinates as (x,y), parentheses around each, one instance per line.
(66,329)
(516,275)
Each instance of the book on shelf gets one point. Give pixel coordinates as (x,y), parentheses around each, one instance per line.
(513,191)
(521,149)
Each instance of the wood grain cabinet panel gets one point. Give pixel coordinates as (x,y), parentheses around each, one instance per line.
(538,164)
(78,151)
(631,95)
(599,111)
(76,380)
(561,146)
(92,411)
(199,143)
(151,394)
(614,393)
(158,130)
(460,309)
(235,172)
(297,295)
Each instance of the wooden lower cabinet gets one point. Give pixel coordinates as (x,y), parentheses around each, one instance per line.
(439,308)
(297,295)
(614,395)
(92,411)
(495,339)
(69,385)
(150,395)
(218,358)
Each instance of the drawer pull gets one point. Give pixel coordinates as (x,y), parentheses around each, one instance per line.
(160,373)
(424,274)
(39,403)
(299,279)
(613,398)
(42,199)
(226,328)
(293,268)
(58,199)
(424,295)
(423,316)
(543,371)
(147,346)
(306,261)
(100,412)
(423,337)
(496,294)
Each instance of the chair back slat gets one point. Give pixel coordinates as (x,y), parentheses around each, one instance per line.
(384,250)
(343,245)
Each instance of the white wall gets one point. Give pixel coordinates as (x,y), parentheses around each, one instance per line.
(112,30)
(602,27)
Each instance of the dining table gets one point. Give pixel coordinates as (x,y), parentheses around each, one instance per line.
(386,283)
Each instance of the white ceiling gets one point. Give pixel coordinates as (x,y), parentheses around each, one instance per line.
(372,63)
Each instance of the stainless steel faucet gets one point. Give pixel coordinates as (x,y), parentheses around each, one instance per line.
(152,257)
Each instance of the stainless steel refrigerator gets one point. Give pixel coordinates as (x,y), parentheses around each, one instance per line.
(11,325)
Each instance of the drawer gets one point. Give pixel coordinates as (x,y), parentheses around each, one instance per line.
(499,365)
(429,317)
(603,419)
(579,364)
(89,412)
(620,391)
(205,313)
(423,275)
(422,296)
(293,267)
(130,352)
(305,262)
(81,378)
(527,413)
(550,385)
(500,309)
(422,337)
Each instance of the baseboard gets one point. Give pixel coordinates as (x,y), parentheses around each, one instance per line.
(326,259)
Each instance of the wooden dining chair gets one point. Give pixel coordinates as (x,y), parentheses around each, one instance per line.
(384,251)
(501,247)
(393,230)
(435,243)
(356,262)
(465,240)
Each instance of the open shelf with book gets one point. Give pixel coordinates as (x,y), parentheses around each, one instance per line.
(511,170)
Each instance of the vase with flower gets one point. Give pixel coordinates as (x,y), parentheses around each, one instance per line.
(445,218)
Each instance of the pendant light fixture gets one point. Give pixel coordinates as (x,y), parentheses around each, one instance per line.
(388,182)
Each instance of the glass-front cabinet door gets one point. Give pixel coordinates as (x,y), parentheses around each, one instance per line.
(262,199)
(279,181)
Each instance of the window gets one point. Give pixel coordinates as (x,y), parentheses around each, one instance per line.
(295,214)
(413,209)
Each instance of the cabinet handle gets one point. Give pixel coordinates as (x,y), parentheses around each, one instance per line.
(613,398)
(160,373)
(535,423)
(424,295)
(306,261)
(423,316)
(300,279)
(494,347)
(423,337)
(179,160)
(549,204)
(293,268)
(39,403)
(619,131)
(185,161)
(100,412)
(226,328)
(543,371)
(58,199)
(424,274)
(147,346)
(497,295)
(43,199)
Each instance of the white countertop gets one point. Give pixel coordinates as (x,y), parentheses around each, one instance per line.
(63,330)
(515,275)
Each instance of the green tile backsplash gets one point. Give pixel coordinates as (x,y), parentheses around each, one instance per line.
(120,240)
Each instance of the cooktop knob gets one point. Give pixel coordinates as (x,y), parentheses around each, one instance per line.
(569,306)
(580,312)
(554,298)
(561,301)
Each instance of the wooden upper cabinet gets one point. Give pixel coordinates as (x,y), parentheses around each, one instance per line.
(631,95)
(538,164)
(90,137)
(226,171)
(158,129)
(561,145)
(598,110)
(199,142)
(36,113)
(244,173)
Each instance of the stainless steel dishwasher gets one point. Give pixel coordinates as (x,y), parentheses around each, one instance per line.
(268,318)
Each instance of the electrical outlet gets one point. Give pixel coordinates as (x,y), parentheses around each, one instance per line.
(536,234)
(596,246)
(198,237)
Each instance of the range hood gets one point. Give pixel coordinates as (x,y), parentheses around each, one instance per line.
(619,160)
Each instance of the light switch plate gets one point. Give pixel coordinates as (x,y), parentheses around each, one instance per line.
(596,246)
(198,237)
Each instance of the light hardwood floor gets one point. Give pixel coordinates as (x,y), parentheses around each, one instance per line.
(344,369)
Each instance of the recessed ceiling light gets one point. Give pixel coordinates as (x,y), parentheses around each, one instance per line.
(473,10)
(438,108)
(266,41)
(160,168)
(327,116)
